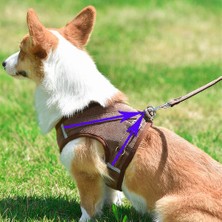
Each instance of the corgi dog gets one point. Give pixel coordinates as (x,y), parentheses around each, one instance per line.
(167,175)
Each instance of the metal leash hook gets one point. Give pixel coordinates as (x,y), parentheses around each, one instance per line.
(150,111)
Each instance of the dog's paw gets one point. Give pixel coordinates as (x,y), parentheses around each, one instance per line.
(118,198)
(113,197)
(85,216)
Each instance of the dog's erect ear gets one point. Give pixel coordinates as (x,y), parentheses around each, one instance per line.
(81,26)
(36,29)
(41,39)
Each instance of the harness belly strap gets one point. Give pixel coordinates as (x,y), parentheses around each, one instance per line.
(111,134)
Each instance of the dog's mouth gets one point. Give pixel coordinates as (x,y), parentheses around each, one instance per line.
(22,73)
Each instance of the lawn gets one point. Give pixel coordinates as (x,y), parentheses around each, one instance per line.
(152,50)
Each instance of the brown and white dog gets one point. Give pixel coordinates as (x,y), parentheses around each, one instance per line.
(167,175)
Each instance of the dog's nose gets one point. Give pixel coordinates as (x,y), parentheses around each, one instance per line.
(4,64)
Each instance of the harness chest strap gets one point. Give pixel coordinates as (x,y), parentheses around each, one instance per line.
(111,134)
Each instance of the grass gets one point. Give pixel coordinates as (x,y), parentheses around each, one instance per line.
(151,50)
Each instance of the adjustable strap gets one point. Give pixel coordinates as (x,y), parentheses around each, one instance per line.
(117,172)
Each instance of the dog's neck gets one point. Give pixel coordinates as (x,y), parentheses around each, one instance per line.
(70,84)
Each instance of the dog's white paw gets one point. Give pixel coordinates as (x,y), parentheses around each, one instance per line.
(118,198)
(85,216)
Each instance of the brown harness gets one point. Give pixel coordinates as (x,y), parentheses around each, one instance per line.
(111,134)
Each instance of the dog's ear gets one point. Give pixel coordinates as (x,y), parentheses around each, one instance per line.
(36,29)
(80,28)
(41,39)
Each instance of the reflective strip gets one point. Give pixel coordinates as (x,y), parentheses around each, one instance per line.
(113,168)
(63,131)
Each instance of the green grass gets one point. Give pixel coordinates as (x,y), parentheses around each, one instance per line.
(151,50)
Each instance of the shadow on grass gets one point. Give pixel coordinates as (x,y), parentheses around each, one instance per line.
(56,209)
(39,208)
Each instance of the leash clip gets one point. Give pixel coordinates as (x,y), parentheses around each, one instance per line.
(150,113)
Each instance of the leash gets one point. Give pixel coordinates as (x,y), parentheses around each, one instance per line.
(150,111)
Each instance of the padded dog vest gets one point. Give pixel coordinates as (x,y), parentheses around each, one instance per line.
(111,134)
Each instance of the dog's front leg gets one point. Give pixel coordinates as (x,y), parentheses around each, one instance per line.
(91,190)
(83,157)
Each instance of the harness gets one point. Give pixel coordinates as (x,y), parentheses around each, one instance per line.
(111,134)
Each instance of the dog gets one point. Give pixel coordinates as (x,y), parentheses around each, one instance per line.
(167,175)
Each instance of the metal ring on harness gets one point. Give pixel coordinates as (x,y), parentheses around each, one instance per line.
(150,113)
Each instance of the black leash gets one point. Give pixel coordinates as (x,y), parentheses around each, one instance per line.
(150,111)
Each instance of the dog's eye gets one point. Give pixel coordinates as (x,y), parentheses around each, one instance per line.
(22,73)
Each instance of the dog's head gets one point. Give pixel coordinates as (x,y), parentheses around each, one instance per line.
(40,42)
(66,76)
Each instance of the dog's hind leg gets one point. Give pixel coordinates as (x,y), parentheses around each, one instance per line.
(187,208)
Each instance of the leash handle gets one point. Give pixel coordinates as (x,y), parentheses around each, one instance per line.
(150,111)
